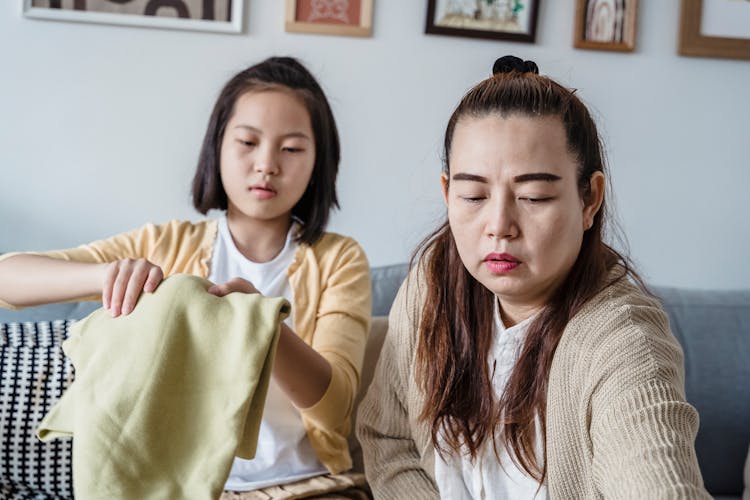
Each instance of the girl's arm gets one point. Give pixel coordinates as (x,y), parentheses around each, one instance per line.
(29,280)
(302,373)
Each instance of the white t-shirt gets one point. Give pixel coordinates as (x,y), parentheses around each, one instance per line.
(461,479)
(284,453)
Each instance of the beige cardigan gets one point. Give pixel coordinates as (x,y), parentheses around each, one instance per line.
(617,422)
(332,306)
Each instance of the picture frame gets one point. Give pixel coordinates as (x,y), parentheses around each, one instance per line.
(329,17)
(715,28)
(226,15)
(605,25)
(513,20)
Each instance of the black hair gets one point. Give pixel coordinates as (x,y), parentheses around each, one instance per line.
(314,207)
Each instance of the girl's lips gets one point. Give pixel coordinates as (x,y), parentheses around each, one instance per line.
(263,193)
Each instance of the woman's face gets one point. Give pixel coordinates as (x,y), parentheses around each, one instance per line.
(267,155)
(514,207)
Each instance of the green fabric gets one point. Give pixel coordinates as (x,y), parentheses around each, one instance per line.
(166,396)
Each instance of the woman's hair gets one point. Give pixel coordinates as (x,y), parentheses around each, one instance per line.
(456,327)
(275,73)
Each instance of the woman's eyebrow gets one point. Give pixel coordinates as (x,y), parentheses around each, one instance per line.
(469,177)
(540,176)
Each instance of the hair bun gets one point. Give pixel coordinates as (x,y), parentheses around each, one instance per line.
(506,64)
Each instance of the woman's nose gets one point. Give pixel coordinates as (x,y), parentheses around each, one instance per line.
(501,222)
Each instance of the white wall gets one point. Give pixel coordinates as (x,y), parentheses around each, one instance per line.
(100,128)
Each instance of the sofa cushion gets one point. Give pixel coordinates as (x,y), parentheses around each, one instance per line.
(33,375)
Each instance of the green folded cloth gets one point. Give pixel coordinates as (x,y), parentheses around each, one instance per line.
(165,397)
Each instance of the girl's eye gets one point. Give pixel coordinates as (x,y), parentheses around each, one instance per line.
(293,150)
(247,143)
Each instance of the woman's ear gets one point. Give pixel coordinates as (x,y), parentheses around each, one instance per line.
(444,185)
(593,202)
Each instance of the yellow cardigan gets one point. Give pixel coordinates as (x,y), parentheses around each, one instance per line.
(332,308)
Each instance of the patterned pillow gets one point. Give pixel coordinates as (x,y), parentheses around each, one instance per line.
(34,373)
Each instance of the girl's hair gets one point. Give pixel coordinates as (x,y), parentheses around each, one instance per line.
(275,73)
(456,326)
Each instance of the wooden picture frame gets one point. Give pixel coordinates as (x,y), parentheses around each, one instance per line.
(513,20)
(605,25)
(225,15)
(348,18)
(710,29)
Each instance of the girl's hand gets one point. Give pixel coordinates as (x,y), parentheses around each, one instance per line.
(233,285)
(125,280)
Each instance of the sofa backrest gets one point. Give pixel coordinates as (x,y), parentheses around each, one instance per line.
(713,328)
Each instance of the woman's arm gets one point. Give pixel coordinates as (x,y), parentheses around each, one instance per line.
(393,464)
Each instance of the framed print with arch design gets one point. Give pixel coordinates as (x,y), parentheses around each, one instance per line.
(201,15)
(605,25)
(329,17)
(513,20)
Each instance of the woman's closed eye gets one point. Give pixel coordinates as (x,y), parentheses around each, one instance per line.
(292,149)
(472,198)
(247,143)
(535,199)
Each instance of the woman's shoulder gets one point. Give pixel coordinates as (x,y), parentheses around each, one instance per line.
(622,328)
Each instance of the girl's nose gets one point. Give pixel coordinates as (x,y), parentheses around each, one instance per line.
(266,162)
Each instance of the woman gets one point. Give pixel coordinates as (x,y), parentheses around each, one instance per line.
(524,357)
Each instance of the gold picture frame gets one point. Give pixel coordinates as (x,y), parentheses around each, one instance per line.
(350,18)
(606,25)
(693,42)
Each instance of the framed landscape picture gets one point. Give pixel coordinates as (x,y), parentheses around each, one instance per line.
(715,28)
(605,25)
(495,19)
(203,15)
(329,17)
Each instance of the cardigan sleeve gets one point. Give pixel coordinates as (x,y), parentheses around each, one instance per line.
(340,334)
(642,429)
(393,464)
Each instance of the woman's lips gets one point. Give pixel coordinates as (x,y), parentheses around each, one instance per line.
(500,263)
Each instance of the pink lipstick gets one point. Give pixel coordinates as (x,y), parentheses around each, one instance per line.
(500,263)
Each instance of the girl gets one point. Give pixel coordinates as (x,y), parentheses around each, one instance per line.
(269,161)
(524,358)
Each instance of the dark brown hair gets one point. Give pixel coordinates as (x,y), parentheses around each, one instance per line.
(456,327)
(314,208)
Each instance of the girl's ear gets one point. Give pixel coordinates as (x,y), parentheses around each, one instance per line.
(444,185)
(593,201)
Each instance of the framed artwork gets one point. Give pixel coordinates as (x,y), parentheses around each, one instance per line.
(202,15)
(605,25)
(496,19)
(715,28)
(329,17)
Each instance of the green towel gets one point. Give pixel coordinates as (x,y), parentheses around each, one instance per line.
(165,397)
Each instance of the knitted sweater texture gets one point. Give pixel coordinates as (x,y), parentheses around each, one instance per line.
(617,422)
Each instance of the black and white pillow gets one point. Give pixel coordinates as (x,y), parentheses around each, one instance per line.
(34,373)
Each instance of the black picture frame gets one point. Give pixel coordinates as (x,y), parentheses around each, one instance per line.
(527,34)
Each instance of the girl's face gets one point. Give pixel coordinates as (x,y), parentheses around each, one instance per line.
(514,208)
(267,155)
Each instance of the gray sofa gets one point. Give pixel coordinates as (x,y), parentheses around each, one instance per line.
(712,326)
